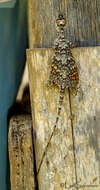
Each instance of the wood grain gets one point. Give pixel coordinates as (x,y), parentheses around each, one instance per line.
(21,153)
(66,166)
(58,165)
(86,108)
(82,22)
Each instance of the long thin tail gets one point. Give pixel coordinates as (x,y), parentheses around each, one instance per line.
(61,97)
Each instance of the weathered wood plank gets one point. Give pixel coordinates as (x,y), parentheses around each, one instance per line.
(21,153)
(56,171)
(58,164)
(82,27)
(86,108)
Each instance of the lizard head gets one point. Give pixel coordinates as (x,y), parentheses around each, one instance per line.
(60,21)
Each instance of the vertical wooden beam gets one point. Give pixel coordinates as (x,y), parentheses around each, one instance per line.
(58,166)
(21,153)
(66,166)
(82,21)
(86,109)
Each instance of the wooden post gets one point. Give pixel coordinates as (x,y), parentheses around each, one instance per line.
(21,153)
(72,161)
(82,22)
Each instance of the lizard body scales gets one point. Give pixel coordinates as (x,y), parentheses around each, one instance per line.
(63,70)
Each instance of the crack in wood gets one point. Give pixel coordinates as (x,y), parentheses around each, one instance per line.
(45,151)
(34,156)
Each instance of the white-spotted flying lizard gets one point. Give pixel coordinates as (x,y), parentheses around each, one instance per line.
(63,71)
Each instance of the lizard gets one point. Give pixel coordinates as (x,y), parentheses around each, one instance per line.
(63,70)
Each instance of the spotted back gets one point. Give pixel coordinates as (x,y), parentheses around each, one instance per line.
(63,72)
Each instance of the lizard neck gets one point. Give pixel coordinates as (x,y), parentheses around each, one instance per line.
(60,33)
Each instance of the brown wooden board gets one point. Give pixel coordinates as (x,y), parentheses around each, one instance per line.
(78,166)
(86,108)
(82,25)
(58,165)
(21,158)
